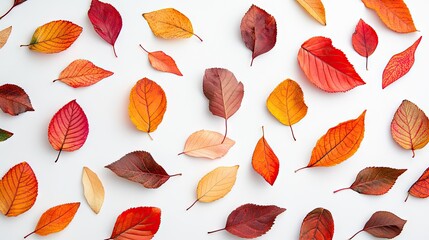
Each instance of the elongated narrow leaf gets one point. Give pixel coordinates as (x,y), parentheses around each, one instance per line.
(140,167)
(383,224)
(317,225)
(251,221)
(338,144)
(137,223)
(18,190)
(327,67)
(68,128)
(315,8)
(15,3)
(400,64)
(4,135)
(14,100)
(265,161)
(93,189)
(420,188)
(162,62)
(364,40)
(207,144)
(410,127)
(4,35)
(375,180)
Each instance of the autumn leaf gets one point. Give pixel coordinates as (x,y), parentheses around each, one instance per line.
(383,224)
(14,100)
(92,189)
(162,62)
(327,67)
(168,23)
(18,190)
(106,20)
(147,105)
(394,14)
(4,135)
(68,128)
(15,3)
(140,167)
(364,40)
(54,37)
(420,188)
(375,180)
(207,144)
(338,144)
(265,161)
(55,219)
(399,65)
(251,221)
(317,225)
(137,223)
(82,73)
(286,103)
(4,35)
(315,8)
(216,184)
(258,31)
(410,127)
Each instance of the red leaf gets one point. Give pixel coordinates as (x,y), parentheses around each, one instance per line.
(399,65)
(383,224)
(420,188)
(364,40)
(140,167)
(327,67)
(317,225)
(68,128)
(251,221)
(14,100)
(139,223)
(106,20)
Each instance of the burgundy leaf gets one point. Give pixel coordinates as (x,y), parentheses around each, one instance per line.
(383,224)
(14,100)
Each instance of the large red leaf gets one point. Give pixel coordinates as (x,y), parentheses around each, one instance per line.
(317,225)
(420,188)
(327,67)
(364,40)
(68,128)
(14,100)
(383,224)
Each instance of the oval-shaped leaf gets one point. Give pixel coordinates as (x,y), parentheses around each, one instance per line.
(18,190)
(162,62)
(327,67)
(383,224)
(315,8)
(14,100)
(265,161)
(4,135)
(4,35)
(92,189)
(420,188)
(364,40)
(68,128)
(207,144)
(317,225)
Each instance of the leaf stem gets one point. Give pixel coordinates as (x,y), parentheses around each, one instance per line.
(8,11)
(341,189)
(144,49)
(366,63)
(180,153)
(414,154)
(24,45)
(150,136)
(29,234)
(175,175)
(198,37)
(226,130)
(114,50)
(251,62)
(293,135)
(216,231)
(407,197)
(59,153)
(263,132)
(354,235)
(192,204)
(299,169)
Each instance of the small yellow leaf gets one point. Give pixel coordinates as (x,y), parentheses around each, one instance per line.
(93,189)
(315,8)
(4,35)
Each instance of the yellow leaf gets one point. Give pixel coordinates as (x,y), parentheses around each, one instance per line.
(315,8)
(207,144)
(4,35)
(93,189)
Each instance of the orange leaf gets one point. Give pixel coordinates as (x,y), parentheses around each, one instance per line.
(315,8)
(410,127)
(420,188)
(265,161)
(54,37)
(147,105)
(338,144)
(18,190)
(207,144)
(394,14)
(55,219)
(4,35)
(82,73)
(162,62)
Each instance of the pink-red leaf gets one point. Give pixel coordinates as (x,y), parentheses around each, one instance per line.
(383,224)
(364,40)
(14,100)
(420,188)
(317,225)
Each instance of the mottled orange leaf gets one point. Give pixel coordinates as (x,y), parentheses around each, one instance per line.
(18,190)
(338,144)
(147,105)
(4,35)
(317,225)
(265,161)
(420,188)
(207,144)
(410,126)
(162,62)
(14,100)
(315,8)
(54,37)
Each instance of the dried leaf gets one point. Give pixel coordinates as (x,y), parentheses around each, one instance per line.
(286,103)
(375,180)
(327,67)
(93,189)
(162,62)
(394,14)
(338,144)
(265,161)
(364,40)
(258,31)
(399,65)
(317,225)
(251,221)
(68,128)
(55,219)
(383,224)
(15,3)
(216,184)
(4,35)
(315,8)
(147,105)
(14,100)
(420,188)
(106,20)
(54,37)
(410,127)
(139,223)
(18,190)
(207,144)
(82,73)
(168,23)
(4,135)
(140,167)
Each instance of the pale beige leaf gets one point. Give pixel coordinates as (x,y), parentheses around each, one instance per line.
(93,189)
(4,35)
(207,144)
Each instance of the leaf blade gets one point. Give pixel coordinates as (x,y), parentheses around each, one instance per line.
(93,189)
(207,144)
(317,225)
(364,40)
(315,8)
(14,100)
(4,36)
(264,160)
(383,224)
(420,188)
(4,135)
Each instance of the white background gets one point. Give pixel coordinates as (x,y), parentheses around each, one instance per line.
(112,134)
